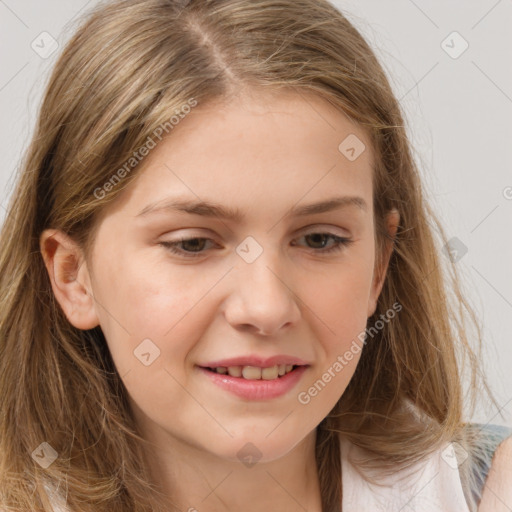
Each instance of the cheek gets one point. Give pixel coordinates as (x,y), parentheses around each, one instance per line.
(137,302)
(339,297)
(338,304)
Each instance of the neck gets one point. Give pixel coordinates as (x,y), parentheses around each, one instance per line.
(194,479)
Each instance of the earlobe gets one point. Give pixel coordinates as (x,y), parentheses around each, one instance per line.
(69,277)
(379,275)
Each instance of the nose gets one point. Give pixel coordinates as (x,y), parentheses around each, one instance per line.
(262,298)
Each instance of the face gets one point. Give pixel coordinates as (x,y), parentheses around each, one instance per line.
(278,280)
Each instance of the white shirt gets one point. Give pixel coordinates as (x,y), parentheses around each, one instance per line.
(432,485)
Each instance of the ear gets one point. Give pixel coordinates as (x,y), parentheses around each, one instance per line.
(69,277)
(379,274)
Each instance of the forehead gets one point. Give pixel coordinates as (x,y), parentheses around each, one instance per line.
(275,148)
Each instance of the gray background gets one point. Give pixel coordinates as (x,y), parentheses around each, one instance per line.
(458,110)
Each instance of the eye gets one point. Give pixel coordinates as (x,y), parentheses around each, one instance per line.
(196,245)
(173,246)
(339,242)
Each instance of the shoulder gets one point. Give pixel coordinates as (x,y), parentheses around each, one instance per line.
(497,492)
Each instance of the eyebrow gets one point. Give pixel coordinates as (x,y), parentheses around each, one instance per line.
(211,209)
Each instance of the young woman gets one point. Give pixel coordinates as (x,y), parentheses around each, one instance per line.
(220,285)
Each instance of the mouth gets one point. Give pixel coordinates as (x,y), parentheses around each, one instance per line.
(253,382)
(254,372)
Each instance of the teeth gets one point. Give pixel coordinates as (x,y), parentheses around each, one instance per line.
(251,372)
(235,371)
(255,372)
(270,373)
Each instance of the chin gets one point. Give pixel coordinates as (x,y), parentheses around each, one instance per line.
(250,449)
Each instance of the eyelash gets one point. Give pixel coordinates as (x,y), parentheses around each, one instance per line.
(340,243)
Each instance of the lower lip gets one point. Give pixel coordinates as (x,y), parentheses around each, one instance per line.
(256,389)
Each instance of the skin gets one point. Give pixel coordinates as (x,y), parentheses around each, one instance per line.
(497,493)
(262,154)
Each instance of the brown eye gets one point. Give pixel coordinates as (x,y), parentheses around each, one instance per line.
(191,247)
(321,239)
(318,238)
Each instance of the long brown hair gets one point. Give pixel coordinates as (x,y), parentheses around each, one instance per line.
(131,65)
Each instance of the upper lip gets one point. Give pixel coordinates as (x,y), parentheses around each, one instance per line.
(262,362)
